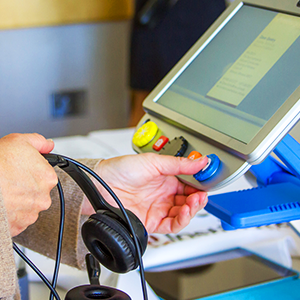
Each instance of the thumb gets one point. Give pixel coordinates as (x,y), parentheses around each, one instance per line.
(170,165)
(39,142)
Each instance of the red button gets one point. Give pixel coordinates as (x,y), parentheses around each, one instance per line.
(160,143)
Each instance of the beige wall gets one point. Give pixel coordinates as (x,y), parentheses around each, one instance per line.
(33,13)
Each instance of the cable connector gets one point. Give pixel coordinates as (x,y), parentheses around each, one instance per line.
(56,160)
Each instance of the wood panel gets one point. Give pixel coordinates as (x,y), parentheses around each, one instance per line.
(36,13)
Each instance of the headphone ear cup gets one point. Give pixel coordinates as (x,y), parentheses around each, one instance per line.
(110,242)
(86,292)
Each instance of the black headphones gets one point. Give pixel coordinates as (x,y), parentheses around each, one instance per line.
(114,236)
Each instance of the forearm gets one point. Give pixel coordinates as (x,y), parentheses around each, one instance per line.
(7,263)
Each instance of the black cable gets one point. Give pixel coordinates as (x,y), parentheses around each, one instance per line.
(59,245)
(122,208)
(58,250)
(60,237)
(36,270)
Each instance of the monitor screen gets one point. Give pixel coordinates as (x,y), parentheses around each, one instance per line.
(245,72)
(230,270)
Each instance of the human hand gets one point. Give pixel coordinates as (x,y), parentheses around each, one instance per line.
(146,185)
(26,178)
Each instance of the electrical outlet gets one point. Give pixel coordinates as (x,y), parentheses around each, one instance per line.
(68,103)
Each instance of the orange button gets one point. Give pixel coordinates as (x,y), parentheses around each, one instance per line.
(160,143)
(194,155)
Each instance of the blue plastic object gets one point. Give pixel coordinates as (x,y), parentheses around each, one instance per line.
(275,201)
(270,171)
(210,169)
(256,207)
(288,150)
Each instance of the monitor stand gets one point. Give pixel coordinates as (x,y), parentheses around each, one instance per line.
(275,200)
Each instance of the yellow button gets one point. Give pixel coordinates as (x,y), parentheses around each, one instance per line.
(145,134)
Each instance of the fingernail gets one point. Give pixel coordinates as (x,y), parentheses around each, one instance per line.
(196,159)
(200,158)
(50,140)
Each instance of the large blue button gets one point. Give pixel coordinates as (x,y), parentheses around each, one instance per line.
(210,169)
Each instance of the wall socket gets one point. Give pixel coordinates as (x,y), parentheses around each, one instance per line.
(68,103)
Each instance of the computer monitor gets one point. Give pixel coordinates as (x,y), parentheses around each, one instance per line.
(233,96)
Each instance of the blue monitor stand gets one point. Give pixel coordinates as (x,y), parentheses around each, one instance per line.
(275,200)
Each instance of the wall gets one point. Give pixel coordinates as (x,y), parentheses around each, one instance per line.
(36,62)
(34,13)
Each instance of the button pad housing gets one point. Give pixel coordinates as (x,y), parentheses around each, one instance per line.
(230,168)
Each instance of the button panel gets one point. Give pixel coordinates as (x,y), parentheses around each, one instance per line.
(149,137)
(231,166)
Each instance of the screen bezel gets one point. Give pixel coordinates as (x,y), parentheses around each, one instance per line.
(272,132)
